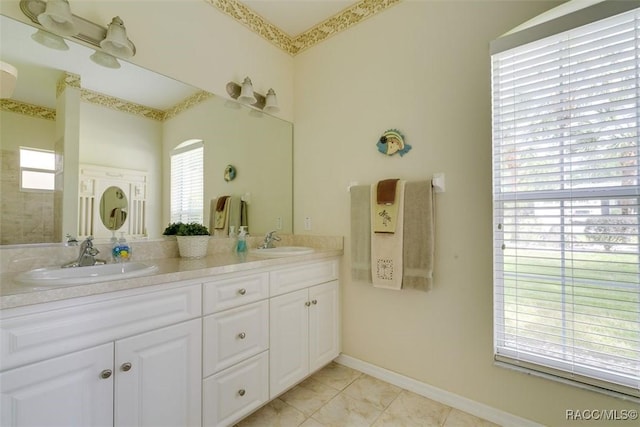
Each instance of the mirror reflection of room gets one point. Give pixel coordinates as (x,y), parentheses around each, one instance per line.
(113,208)
(67,105)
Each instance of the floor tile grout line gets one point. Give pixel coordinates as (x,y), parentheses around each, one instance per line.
(339,392)
(444,422)
(386,407)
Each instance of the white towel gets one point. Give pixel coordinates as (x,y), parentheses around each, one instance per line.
(386,248)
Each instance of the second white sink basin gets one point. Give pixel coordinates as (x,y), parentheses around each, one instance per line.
(55,276)
(283,251)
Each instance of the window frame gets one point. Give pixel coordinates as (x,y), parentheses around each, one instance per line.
(517,359)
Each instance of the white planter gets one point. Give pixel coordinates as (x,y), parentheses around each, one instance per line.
(193,246)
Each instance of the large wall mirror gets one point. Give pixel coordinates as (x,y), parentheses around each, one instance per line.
(131,118)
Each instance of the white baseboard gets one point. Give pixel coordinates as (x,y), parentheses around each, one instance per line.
(450,399)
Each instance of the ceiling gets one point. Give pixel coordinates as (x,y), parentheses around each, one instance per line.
(294,17)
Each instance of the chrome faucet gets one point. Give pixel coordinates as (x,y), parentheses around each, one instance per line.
(270,237)
(87,255)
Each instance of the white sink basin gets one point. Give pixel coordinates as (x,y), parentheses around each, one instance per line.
(283,251)
(54,276)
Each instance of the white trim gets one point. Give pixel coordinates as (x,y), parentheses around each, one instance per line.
(557,12)
(445,397)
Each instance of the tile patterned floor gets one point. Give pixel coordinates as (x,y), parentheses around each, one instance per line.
(338,396)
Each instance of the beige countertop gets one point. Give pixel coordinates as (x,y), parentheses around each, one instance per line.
(14,294)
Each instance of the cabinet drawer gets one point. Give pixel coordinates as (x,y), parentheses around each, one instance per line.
(302,276)
(236,392)
(53,329)
(229,292)
(234,335)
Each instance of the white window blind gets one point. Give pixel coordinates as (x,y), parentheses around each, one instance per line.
(187,182)
(565,193)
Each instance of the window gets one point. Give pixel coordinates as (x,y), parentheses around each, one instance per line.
(565,194)
(37,170)
(187,182)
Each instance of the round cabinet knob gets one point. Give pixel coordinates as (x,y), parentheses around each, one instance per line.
(106,374)
(125,367)
(242,335)
(307,303)
(242,291)
(314,302)
(241,392)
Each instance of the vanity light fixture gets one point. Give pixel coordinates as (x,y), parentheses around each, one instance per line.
(271,103)
(50,40)
(58,19)
(55,16)
(244,94)
(104,59)
(116,42)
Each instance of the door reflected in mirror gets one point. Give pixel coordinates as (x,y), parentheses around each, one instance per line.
(113,208)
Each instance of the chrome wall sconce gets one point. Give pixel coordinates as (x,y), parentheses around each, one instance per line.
(55,17)
(244,94)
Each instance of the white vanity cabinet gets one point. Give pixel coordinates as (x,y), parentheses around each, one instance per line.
(235,347)
(129,358)
(204,352)
(71,390)
(304,322)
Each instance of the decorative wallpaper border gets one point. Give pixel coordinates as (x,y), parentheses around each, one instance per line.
(294,45)
(187,103)
(255,22)
(67,80)
(90,96)
(118,104)
(30,110)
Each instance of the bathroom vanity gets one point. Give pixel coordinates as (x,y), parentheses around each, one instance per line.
(205,348)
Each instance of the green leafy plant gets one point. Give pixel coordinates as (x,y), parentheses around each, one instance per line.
(192,229)
(172,229)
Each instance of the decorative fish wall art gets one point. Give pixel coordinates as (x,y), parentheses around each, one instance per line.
(392,142)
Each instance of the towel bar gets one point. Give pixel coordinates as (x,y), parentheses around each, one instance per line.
(437,182)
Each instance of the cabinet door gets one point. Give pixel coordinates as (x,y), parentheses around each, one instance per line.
(71,390)
(158,377)
(289,340)
(323,324)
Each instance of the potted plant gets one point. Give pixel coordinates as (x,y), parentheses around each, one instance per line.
(193,238)
(172,229)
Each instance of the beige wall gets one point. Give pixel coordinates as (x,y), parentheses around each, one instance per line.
(422,67)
